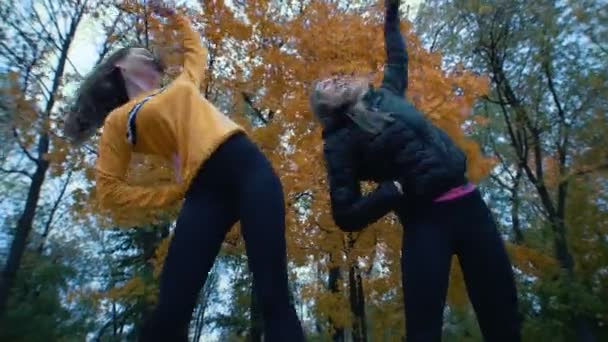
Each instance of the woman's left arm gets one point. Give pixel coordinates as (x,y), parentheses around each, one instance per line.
(195,54)
(351,210)
(395,70)
(113,191)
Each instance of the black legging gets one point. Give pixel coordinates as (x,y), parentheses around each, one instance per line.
(432,234)
(237,182)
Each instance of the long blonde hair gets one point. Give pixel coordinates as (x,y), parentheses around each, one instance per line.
(324,103)
(346,103)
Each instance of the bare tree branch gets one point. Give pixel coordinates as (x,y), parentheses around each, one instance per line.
(18,60)
(109,43)
(90,150)
(436,36)
(256,111)
(20,172)
(23,148)
(51,11)
(500,182)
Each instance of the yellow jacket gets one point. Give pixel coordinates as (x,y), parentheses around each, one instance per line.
(177,120)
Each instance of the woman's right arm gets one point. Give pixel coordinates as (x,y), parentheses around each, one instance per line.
(113,192)
(351,210)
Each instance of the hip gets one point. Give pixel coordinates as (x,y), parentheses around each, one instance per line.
(231,165)
(452,209)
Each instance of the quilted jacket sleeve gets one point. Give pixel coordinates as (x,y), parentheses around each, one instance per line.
(350,209)
(395,71)
(113,192)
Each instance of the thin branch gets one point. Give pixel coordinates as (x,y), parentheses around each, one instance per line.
(436,36)
(209,74)
(563,142)
(553,91)
(515,138)
(502,160)
(90,149)
(63,54)
(494,101)
(256,111)
(42,84)
(51,12)
(107,45)
(35,57)
(500,182)
(19,28)
(300,195)
(45,29)
(23,148)
(20,172)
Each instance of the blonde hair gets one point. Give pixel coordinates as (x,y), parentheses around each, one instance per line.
(324,103)
(347,102)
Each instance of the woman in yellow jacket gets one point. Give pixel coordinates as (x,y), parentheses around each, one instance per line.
(224,178)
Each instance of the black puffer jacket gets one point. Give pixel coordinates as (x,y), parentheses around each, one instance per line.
(408,148)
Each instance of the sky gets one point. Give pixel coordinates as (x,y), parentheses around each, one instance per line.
(83,53)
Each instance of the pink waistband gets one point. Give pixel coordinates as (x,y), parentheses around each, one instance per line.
(456,192)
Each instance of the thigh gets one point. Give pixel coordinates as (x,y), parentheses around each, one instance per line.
(488,273)
(426,260)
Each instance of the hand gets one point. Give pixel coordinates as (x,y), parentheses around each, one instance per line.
(161,8)
(398,186)
(177,168)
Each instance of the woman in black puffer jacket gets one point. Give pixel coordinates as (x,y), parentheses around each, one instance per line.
(377,135)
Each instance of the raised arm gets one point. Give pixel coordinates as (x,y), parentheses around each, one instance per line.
(350,210)
(395,70)
(195,54)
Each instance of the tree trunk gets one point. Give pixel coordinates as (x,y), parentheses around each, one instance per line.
(361,306)
(24,227)
(26,219)
(255,330)
(332,284)
(357,304)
